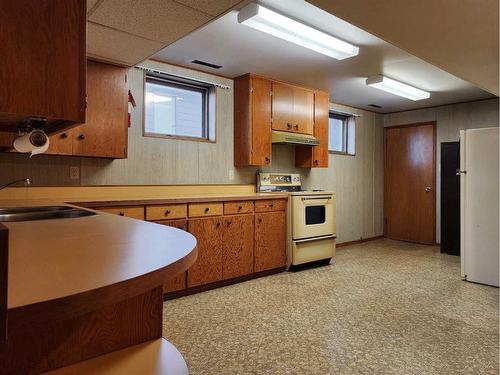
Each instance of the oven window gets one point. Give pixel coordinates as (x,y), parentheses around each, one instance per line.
(315,215)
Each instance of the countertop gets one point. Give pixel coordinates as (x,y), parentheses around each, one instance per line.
(108,202)
(54,259)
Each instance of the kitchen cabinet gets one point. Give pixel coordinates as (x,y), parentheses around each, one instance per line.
(179,281)
(238,246)
(292,108)
(134,212)
(262,105)
(270,240)
(43,63)
(105,132)
(252,121)
(208,266)
(317,156)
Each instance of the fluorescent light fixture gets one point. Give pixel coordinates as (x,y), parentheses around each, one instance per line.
(268,21)
(397,88)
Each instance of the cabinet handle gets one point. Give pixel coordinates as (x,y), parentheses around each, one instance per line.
(121,213)
(259,220)
(217,225)
(167,212)
(64,135)
(81,136)
(229,223)
(207,209)
(268,160)
(316,162)
(289,126)
(296,127)
(271,205)
(240,208)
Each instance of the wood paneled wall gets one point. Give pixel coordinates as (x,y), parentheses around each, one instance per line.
(450,120)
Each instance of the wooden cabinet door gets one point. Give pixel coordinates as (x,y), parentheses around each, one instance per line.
(282,104)
(270,240)
(317,156)
(303,111)
(42,72)
(237,249)
(208,265)
(261,121)
(104,133)
(179,281)
(61,143)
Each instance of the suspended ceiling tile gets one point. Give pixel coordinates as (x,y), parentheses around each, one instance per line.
(213,7)
(159,20)
(115,46)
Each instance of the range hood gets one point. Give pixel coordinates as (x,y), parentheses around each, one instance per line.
(293,138)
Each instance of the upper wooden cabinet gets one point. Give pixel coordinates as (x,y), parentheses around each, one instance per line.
(42,73)
(262,105)
(317,156)
(105,133)
(252,121)
(292,108)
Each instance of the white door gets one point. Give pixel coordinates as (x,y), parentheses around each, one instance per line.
(479,153)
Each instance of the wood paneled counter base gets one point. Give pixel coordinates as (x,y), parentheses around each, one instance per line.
(80,288)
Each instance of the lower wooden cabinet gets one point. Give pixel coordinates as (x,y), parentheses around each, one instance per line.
(270,240)
(179,281)
(208,266)
(237,248)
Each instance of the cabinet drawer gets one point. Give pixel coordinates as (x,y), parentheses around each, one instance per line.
(172,211)
(135,212)
(205,209)
(270,205)
(244,207)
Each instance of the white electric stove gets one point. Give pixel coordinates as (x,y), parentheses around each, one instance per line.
(311,230)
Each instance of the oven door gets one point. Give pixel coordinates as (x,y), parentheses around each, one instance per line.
(313,216)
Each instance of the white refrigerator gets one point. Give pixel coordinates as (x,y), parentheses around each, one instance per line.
(479,199)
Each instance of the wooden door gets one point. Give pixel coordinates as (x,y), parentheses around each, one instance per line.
(409,183)
(282,106)
(261,121)
(237,249)
(317,156)
(179,281)
(270,240)
(104,133)
(303,111)
(208,265)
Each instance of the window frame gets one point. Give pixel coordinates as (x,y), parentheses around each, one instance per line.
(207,91)
(345,133)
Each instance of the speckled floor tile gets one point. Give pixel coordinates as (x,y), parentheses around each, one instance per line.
(383,307)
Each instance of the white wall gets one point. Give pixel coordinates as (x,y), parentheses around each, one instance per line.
(449,121)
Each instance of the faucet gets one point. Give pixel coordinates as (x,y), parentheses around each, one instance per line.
(25,180)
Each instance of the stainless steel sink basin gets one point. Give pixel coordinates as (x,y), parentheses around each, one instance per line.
(42,213)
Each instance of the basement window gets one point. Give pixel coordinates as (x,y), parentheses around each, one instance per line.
(341,134)
(178,108)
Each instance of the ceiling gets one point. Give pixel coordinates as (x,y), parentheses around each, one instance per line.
(459,36)
(240,49)
(126,32)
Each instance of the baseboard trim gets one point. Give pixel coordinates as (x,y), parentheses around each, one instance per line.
(221,283)
(348,243)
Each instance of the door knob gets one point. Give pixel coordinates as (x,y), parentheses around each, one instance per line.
(427,189)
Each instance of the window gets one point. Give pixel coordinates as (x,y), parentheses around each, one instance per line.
(342,134)
(178,108)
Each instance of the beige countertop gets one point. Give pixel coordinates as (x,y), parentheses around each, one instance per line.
(52,259)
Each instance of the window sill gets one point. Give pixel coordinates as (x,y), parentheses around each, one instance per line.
(340,153)
(178,138)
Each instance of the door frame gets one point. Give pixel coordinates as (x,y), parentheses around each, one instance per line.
(434,158)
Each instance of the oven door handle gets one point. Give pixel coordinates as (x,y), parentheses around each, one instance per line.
(317,198)
(332,236)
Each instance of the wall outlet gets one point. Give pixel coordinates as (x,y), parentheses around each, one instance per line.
(74,173)
(230,174)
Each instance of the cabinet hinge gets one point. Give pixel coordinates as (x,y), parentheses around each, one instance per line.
(271,93)
(251,89)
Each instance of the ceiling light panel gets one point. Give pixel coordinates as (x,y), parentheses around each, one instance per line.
(397,88)
(280,26)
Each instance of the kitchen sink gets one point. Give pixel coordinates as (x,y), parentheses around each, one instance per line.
(42,213)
